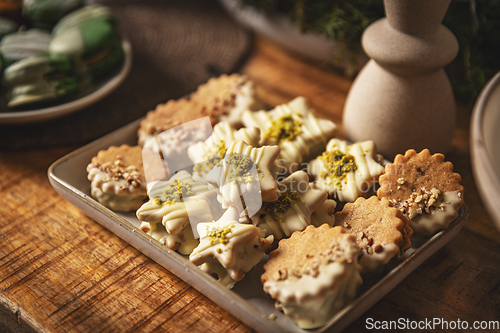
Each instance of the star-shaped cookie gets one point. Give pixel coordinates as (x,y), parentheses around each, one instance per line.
(177,201)
(346,171)
(229,249)
(206,154)
(297,201)
(246,176)
(293,127)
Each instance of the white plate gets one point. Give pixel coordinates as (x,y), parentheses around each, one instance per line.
(246,301)
(102,90)
(485,146)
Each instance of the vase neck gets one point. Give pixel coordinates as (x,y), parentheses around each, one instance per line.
(415,17)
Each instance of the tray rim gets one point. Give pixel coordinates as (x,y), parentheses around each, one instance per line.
(191,274)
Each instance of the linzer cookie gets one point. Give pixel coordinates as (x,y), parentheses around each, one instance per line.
(313,274)
(423,187)
(117,176)
(229,249)
(346,171)
(206,154)
(226,97)
(246,172)
(293,210)
(381,231)
(294,128)
(173,204)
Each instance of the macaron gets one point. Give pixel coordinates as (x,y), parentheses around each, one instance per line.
(40,92)
(7,26)
(93,46)
(37,69)
(83,16)
(45,14)
(24,44)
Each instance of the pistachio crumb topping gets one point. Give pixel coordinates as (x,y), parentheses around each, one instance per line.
(175,192)
(337,165)
(285,128)
(219,236)
(278,208)
(211,161)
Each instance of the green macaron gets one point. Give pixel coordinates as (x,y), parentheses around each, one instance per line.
(36,69)
(24,44)
(83,16)
(94,47)
(41,92)
(45,14)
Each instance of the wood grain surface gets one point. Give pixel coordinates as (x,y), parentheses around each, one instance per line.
(62,272)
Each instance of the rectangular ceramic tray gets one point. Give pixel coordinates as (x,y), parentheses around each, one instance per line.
(246,300)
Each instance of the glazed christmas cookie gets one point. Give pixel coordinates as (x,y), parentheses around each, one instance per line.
(424,188)
(313,274)
(226,97)
(117,176)
(173,204)
(171,128)
(295,129)
(183,242)
(293,210)
(246,176)
(346,171)
(381,231)
(229,249)
(206,154)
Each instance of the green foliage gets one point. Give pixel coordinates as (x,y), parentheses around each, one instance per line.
(475,23)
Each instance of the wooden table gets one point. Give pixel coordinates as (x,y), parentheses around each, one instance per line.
(62,272)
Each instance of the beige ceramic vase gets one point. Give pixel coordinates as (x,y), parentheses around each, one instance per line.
(402,98)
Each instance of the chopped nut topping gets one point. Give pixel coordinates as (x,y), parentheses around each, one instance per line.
(401,181)
(115,171)
(419,202)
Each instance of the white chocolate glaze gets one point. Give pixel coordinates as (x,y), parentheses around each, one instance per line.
(310,141)
(260,184)
(183,242)
(235,246)
(324,214)
(114,192)
(354,183)
(176,214)
(298,215)
(223,135)
(370,261)
(310,300)
(447,206)
(246,99)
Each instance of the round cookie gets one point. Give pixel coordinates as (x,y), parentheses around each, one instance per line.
(381,231)
(313,274)
(226,97)
(117,176)
(423,187)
